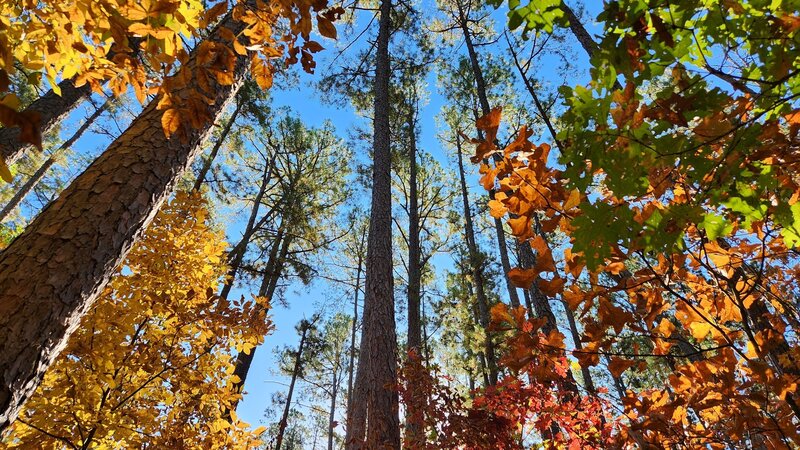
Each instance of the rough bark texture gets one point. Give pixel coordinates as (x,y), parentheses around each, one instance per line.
(52,109)
(351,367)
(579,31)
(483,100)
(52,273)
(298,360)
(414,411)
(377,373)
(477,272)
(42,170)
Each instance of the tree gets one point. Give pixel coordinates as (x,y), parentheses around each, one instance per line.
(98,217)
(147,367)
(374,422)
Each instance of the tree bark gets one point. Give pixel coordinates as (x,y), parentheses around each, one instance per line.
(414,410)
(477,272)
(375,412)
(272,275)
(351,366)
(295,372)
(37,177)
(52,109)
(52,273)
(483,100)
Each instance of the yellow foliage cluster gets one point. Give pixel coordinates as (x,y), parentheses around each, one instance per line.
(150,365)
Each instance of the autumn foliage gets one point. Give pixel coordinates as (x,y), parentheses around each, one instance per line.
(150,365)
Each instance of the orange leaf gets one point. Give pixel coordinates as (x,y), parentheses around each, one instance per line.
(522,278)
(619,365)
(497,209)
(553,287)
(573,200)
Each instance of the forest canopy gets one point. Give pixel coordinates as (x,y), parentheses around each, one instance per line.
(441,224)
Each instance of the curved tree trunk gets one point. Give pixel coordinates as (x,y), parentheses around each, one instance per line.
(52,273)
(375,423)
(51,109)
(34,180)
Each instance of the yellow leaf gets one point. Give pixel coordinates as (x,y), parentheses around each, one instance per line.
(573,200)
(170,121)
(700,330)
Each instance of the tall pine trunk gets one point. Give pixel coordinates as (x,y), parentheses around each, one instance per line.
(414,411)
(52,273)
(272,274)
(483,100)
(375,423)
(352,365)
(298,361)
(477,272)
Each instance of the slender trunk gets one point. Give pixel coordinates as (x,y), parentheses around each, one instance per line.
(236,255)
(332,414)
(375,416)
(52,273)
(295,373)
(576,338)
(37,177)
(201,176)
(483,100)
(351,367)
(272,275)
(414,410)
(51,109)
(477,271)
(579,31)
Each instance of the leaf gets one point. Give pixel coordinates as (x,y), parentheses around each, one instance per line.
(573,200)
(170,121)
(552,288)
(497,209)
(700,330)
(618,365)
(522,278)
(5,174)
(326,27)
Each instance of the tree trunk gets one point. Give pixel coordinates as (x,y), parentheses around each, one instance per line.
(375,412)
(483,100)
(477,271)
(201,177)
(52,109)
(295,373)
(579,31)
(236,255)
(332,414)
(272,275)
(34,180)
(52,273)
(351,367)
(414,410)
